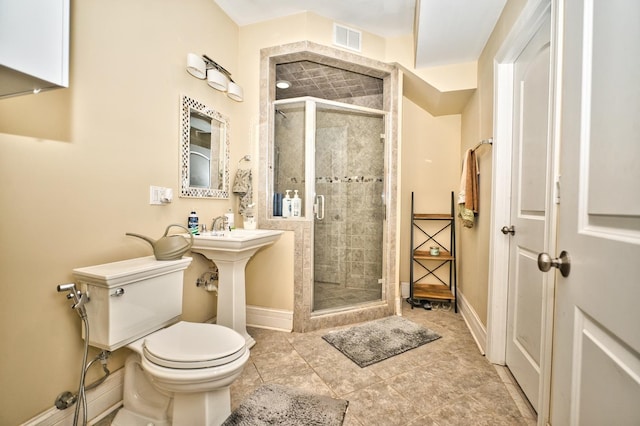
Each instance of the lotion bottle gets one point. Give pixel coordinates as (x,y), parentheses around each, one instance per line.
(296,205)
(286,204)
(230,220)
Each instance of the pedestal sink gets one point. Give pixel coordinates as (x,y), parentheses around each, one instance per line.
(230,252)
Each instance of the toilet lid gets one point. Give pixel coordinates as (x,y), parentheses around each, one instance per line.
(192,345)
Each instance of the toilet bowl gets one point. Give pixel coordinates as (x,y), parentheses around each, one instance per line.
(181,375)
(179,372)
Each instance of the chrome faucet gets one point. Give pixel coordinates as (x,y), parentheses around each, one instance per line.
(215,222)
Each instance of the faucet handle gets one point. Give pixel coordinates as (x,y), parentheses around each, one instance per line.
(81,301)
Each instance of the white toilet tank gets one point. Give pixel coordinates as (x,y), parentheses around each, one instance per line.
(131,298)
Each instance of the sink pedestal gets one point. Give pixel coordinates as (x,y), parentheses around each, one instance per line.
(231,253)
(232,305)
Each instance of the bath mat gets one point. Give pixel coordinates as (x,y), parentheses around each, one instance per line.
(378,340)
(284,406)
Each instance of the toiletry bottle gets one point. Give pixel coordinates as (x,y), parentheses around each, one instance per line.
(296,205)
(249,221)
(230,220)
(277,204)
(192,223)
(286,204)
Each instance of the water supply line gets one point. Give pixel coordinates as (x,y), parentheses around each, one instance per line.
(66,399)
(209,279)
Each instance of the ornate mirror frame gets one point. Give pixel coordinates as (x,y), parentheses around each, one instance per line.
(187,106)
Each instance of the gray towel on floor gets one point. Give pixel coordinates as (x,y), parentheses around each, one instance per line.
(274,404)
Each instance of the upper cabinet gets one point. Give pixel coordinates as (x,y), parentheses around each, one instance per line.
(34,46)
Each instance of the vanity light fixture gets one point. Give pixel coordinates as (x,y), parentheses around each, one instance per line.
(235,92)
(283,84)
(217,80)
(196,66)
(215,74)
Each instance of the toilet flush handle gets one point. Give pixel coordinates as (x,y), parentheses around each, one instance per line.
(119,292)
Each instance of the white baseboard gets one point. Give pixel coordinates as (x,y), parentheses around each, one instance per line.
(273,319)
(404,289)
(478,331)
(100,401)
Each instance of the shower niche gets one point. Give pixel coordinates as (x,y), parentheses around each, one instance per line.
(333,155)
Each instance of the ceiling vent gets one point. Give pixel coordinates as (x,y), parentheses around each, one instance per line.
(347,37)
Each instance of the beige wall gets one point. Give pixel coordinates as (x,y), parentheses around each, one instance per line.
(269,276)
(77,178)
(430,168)
(68,198)
(477,124)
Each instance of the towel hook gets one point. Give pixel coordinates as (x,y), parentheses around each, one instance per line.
(245,158)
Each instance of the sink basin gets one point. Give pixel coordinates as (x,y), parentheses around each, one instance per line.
(231,252)
(237,240)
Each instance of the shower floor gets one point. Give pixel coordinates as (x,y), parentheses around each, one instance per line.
(331,295)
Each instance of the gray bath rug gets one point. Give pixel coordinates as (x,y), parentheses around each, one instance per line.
(284,406)
(378,340)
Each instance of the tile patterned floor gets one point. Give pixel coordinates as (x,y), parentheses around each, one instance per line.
(446,382)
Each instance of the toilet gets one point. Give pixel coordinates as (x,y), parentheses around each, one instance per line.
(179,372)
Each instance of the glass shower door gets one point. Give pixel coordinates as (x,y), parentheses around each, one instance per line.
(289,152)
(348,206)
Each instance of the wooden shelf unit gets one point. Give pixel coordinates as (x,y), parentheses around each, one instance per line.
(421,258)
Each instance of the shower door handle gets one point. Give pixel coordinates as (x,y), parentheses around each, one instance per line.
(318,207)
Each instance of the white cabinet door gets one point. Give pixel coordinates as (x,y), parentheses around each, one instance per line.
(596,355)
(34,41)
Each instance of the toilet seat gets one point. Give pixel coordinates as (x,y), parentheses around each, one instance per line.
(187,345)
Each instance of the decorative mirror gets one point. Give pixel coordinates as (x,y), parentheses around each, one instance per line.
(204,151)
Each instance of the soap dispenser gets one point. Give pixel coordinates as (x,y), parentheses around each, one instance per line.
(231,223)
(286,204)
(296,205)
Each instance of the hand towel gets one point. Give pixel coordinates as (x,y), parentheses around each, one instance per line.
(471,182)
(243,187)
(468,200)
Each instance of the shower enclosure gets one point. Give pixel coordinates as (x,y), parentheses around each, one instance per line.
(333,155)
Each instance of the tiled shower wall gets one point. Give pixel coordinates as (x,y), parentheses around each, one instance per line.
(289,164)
(349,173)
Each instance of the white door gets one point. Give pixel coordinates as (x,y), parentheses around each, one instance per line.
(596,361)
(530,213)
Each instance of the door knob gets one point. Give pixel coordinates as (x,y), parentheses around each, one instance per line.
(563,263)
(508,230)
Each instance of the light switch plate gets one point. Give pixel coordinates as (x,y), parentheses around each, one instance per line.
(155,195)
